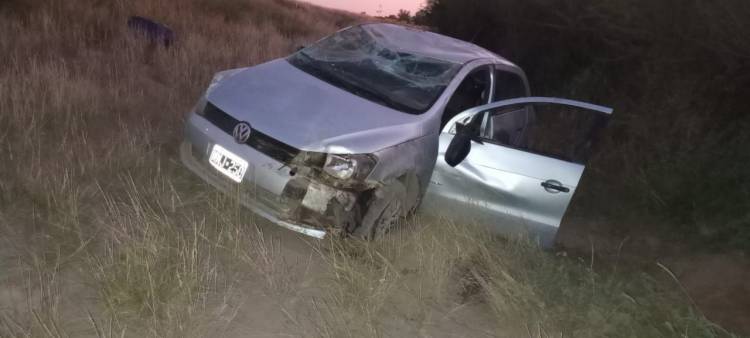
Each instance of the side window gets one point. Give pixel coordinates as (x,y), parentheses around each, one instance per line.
(473,91)
(508,128)
(562,132)
(508,86)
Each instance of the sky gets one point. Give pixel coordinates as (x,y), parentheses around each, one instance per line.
(372,6)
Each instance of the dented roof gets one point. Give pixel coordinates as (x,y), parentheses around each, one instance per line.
(429,44)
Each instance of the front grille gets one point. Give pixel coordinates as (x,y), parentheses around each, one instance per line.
(263,143)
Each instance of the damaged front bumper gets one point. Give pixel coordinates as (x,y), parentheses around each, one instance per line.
(288,195)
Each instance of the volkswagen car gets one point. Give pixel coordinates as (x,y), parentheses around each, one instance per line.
(352,133)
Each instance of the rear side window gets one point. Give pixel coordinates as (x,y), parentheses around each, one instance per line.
(508,86)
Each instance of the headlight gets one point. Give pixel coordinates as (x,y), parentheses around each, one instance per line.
(344,167)
(218,77)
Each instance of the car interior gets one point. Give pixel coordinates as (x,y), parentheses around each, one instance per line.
(473,91)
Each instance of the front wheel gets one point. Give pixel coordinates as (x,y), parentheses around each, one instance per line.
(383,213)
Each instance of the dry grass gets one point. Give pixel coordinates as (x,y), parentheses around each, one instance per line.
(91,193)
(104,233)
(440,278)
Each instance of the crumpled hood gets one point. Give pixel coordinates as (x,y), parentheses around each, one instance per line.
(300,110)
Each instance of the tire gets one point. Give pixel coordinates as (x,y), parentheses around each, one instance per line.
(384,212)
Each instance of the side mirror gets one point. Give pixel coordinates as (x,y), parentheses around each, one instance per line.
(459,147)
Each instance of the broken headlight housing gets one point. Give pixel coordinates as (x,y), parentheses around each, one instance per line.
(344,167)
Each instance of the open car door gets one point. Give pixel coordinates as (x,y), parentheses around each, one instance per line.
(514,164)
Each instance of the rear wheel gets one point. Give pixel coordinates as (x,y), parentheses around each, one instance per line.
(384,212)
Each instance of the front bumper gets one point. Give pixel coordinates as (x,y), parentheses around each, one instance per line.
(270,189)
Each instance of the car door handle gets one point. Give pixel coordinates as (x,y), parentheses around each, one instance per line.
(554,187)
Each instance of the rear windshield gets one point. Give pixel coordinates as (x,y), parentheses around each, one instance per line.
(356,61)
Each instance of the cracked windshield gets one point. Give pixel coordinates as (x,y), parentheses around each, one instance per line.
(358,60)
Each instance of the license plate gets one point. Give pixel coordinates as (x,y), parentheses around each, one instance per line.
(227,163)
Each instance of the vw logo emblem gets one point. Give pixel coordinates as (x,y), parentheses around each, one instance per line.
(242,132)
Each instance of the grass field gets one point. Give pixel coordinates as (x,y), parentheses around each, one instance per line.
(103,233)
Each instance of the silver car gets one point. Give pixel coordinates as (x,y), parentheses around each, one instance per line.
(350,134)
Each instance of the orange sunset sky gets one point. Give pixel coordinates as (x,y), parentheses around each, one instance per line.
(372,6)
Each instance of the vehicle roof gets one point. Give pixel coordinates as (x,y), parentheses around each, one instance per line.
(425,43)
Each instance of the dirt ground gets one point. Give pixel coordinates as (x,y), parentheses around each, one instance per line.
(716,283)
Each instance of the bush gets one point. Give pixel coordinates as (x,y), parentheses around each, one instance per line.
(673,71)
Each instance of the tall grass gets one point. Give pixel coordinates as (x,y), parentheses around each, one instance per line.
(90,190)
(105,234)
(442,272)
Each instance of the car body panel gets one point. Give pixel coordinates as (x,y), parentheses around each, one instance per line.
(312,116)
(501,186)
(414,40)
(295,105)
(264,180)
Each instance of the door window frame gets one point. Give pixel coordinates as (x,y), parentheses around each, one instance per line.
(489,67)
(499,67)
(508,69)
(474,112)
